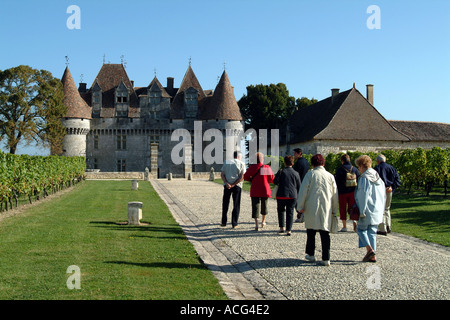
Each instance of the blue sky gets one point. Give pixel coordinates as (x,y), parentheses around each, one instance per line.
(311,46)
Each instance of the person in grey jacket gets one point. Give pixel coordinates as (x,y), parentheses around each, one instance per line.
(288,181)
(370,196)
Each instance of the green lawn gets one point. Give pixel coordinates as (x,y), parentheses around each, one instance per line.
(426,218)
(84,228)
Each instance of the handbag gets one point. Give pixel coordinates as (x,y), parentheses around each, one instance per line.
(334,223)
(354,213)
(274,192)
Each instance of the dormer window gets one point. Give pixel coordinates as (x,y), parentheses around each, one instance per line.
(155,97)
(191,102)
(96,100)
(121,104)
(122,99)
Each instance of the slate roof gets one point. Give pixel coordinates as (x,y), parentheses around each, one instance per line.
(347,116)
(423,131)
(222,104)
(76,106)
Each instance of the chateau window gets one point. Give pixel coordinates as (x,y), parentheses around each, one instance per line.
(191,102)
(96,103)
(155,97)
(121,165)
(96,141)
(121,142)
(95,163)
(121,101)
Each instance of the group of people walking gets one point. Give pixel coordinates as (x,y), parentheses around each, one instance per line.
(317,196)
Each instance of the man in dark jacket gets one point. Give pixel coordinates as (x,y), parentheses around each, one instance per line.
(302,167)
(346,190)
(392,181)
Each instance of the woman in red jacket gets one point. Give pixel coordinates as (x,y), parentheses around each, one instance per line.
(260,176)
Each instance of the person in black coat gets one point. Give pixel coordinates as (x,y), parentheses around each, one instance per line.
(346,189)
(392,181)
(302,167)
(288,181)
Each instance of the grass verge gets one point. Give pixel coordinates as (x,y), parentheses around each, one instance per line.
(426,218)
(85,227)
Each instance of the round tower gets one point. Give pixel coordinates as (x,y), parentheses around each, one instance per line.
(77,119)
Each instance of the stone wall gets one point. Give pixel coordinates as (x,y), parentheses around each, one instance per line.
(335,146)
(97,175)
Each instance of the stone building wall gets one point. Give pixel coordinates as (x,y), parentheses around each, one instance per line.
(335,146)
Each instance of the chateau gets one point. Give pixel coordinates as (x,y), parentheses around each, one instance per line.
(122,128)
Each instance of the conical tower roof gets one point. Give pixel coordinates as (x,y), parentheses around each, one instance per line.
(222,105)
(76,106)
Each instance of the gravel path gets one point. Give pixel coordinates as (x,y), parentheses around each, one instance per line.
(262,264)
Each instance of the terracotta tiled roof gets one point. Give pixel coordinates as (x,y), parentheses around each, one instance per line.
(76,106)
(222,105)
(423,131)
(109,78)
(347,116)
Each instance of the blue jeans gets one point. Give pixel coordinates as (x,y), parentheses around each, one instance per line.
(368,236)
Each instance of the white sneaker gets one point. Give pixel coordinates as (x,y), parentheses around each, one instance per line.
(310,258)
(343,230)
(325,263)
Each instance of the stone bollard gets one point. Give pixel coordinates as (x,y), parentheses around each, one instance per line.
(211,174)
(169,176)
(134,212)
(189,176)
(134,184)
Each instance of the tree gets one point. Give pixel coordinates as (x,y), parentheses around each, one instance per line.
(266,106)
(304,102)
(31,104)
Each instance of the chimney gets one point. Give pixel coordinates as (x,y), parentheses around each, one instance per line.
(169,84)
(369,91)
(82,87)
(132,84)
(334,93)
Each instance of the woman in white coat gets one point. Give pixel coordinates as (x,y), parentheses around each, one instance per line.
(370,196)
(318,200)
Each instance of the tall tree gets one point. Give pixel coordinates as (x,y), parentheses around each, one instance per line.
(31,104)
(266,106)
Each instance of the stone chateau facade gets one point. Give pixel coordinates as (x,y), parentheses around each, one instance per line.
(122,128)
